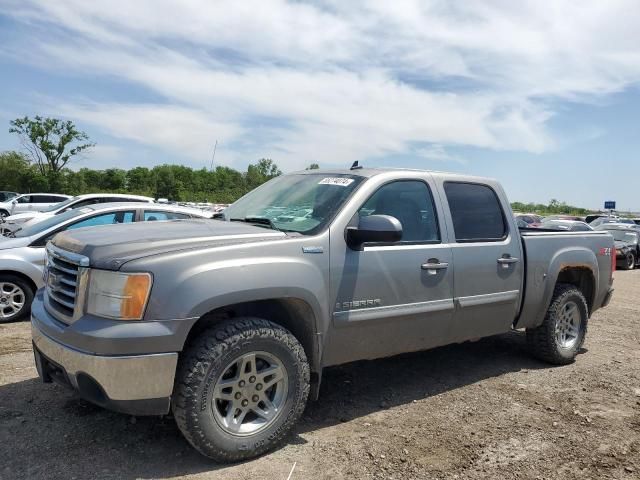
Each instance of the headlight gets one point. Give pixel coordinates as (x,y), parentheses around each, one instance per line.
(118,295)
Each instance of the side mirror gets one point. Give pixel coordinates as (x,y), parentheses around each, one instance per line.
(374,229)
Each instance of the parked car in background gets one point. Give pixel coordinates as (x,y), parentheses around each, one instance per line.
(532,220)
(566,225)
(603,220)
(22,254)
(5,196)
(591,217)
(573,218)
(14,221)
(30,202)
(627,241)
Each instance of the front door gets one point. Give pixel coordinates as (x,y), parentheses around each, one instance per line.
(392,298)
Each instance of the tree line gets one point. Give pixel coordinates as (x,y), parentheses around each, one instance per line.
(175,182)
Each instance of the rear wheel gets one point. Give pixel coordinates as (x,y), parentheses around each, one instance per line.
(629,261)
(564,328)
(240,388)
(3,213)
(16,296)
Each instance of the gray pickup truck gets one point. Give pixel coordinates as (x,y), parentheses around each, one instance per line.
(230,322)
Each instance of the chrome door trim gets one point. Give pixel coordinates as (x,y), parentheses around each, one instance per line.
(389,312)
(487,299)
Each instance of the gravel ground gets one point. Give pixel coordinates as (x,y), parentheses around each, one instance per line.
(476,410)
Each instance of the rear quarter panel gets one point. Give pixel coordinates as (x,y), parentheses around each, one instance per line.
(547,254)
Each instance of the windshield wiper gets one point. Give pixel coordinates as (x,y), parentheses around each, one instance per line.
(259,221)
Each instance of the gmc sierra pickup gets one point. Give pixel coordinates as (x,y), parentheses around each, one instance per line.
(230,322)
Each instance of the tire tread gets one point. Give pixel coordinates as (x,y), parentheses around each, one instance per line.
(541,340)
(211,344)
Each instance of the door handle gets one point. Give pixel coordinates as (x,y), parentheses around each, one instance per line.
(432,267)
(506,261)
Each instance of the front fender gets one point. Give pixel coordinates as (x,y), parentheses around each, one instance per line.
(15,263)
(196,290)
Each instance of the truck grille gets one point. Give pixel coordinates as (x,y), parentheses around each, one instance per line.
(65,276)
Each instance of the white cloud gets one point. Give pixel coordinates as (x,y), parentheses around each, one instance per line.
(337,81)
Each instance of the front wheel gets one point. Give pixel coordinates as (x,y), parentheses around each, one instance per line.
(240,388)
(16,296)
(564,328)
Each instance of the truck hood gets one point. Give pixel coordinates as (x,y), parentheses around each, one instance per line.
(110,247)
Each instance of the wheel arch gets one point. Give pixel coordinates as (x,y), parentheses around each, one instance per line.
(22,276)
(294,314)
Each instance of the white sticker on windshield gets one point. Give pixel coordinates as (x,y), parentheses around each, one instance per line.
(343,182)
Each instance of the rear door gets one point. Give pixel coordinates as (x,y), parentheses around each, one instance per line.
(487,258)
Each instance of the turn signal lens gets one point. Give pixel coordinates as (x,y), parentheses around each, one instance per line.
(122,296)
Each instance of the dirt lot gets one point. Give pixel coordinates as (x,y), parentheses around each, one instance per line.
(477,410)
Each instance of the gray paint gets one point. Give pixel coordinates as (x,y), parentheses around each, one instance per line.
(369,303)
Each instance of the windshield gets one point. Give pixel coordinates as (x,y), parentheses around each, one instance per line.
(624,235)
(47,223)
(295,203)
(57,206)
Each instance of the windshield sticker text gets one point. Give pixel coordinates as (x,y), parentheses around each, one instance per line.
(342,182)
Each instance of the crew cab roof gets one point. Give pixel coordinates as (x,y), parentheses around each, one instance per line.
(372,172)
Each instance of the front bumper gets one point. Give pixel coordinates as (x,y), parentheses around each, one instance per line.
(134,384)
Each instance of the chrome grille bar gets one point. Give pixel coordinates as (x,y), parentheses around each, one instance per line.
(65,278)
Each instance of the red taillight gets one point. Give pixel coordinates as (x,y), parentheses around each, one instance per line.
(613,263)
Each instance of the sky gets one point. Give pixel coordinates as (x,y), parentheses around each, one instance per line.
(542,96)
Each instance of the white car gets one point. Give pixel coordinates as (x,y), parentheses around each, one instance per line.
(30,202)
(22,255)
(27,218)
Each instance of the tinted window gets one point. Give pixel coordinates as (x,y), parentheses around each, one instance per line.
(24,199)
(150,216)
(84,203)
(476,212)
(411,203)
(42,199)
(104,219)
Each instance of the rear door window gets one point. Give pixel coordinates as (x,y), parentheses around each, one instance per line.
(104,219)
(153,215)
(476,212)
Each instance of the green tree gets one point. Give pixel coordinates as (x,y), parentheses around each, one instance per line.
(13,166)
(51,143)
(313,166)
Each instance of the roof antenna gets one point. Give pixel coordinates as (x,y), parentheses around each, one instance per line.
(355,166)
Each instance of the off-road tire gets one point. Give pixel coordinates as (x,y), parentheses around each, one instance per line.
(202,363)
(542,340)
(28,294)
